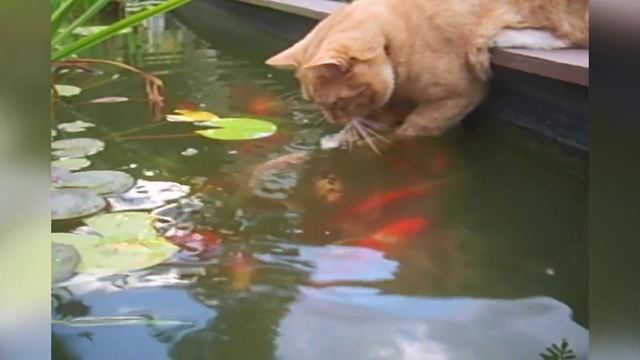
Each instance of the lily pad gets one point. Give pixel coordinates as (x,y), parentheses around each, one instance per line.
(74,203)
(192,115)
(67,90)
(75,126)
(71,164)
(127,242)
(238,129)
(110,99)
(76,148)
(147,195)
(102,182)
(123,226)
(64,260)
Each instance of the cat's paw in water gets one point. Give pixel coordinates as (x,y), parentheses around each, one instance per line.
(340,139)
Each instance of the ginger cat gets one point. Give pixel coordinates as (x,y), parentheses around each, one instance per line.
(421,64)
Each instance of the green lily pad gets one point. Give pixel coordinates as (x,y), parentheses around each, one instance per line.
(148,195)
(127,242)
(74,203)
(124,226)
(76,148)
(238,129)
(102,182)
(75,126)
(64,260)
(71,164)
(67,90)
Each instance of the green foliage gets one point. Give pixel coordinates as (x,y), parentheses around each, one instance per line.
(63,24)
(562,352)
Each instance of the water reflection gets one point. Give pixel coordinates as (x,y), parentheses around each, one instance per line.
(369,325)
(263,278)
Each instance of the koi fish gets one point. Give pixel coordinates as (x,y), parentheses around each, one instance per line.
(242,269)
(198,241)
(264,105)
(395,232)
(383,199)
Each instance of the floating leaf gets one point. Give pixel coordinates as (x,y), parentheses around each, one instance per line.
(71,164)
(127,242)
(74,203)
(103,182)
(179,118)
(75,126)
(64,260)
(57,173)
(88,30)
(124,226)
(238,129)
(197,115)
(67,90)
(147,195)
(110,99)
(118,320)
(76,148)
(53,133)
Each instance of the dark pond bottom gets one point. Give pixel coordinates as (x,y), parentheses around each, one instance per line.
(469,246)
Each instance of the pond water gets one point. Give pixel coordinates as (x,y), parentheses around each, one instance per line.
(461,247)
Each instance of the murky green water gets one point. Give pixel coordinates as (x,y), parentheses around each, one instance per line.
(463,247)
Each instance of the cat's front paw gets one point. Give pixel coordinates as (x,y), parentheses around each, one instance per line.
(333,141)
(411,130)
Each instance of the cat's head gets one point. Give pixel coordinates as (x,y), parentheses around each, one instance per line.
(347,76)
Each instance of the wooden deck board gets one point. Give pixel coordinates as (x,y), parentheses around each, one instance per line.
(570,65)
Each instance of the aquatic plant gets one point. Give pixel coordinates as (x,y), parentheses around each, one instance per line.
(64,23)
(562,352)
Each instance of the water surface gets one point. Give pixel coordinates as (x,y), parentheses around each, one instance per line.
(498,269)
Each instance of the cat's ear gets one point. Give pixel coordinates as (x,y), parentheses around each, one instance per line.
(330,62)
(341,55)
(286,60)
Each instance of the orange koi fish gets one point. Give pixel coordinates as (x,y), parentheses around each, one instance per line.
(264,105)
(395,232)
(383,199)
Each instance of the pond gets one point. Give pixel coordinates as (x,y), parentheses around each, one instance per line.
(460,247)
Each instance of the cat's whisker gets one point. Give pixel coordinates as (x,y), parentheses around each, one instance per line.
(376,135)
(371,123)
(365,136)
(373,132)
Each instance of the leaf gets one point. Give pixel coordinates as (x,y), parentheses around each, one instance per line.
(191,115)
(76,148)
(67,90)
(88,30)
(75,126)
(74,203)
(110,99)
(71,164)
(117,320)
(147,195)
(238,129)
(179,118)
(64,260)
(113,29)
(128,226)
(127,242)
(102,182)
